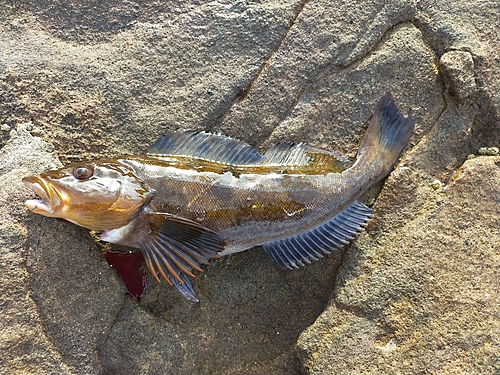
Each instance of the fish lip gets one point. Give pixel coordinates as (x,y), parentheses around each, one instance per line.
(49,198)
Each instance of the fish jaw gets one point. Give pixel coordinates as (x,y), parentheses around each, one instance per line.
(110,198)
(49,198)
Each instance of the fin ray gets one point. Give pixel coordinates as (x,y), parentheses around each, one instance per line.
(301,154)
(387,135)
(229,151)
(180,258)
(184,287)
(178,261)
(327,242)
(149,263)
(296,250)
(175,247)
(302,252)
(162,267)
(310,245)
(190,253)
(206,146)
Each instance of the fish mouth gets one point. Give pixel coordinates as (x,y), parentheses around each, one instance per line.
(49,198)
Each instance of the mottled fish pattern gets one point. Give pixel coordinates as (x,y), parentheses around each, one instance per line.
(195,196)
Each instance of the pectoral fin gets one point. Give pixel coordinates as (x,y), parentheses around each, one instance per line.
(174,247)
(295,251)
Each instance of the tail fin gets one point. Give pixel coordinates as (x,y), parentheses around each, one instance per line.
(388,133)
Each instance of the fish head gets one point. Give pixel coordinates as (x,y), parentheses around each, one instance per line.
(98,195)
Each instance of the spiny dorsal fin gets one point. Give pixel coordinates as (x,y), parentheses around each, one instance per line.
(206,146)
(295,251)
(229,151)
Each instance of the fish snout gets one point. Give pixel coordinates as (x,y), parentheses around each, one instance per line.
(48,197)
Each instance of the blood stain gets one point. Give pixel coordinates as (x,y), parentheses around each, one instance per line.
(129,267)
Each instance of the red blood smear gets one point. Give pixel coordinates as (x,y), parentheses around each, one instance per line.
(129,268)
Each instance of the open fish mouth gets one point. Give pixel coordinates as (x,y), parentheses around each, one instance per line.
(48,196)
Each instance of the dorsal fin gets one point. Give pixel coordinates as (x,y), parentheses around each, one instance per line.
(201,145)
(229,151)
(291,154)
(286,153)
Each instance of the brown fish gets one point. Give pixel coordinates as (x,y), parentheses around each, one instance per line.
(195,196)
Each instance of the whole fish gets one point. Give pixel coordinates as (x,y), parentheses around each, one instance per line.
(195,196)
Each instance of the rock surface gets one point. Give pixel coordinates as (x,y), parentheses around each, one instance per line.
(424,296)
(418,292)
(24,346)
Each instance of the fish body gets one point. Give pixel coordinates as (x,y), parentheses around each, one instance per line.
(196,196)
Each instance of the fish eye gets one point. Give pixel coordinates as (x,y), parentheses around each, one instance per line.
(83,172)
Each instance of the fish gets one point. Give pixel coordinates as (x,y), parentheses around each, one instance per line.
(196,196)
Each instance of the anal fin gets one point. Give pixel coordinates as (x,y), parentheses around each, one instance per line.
(295,251)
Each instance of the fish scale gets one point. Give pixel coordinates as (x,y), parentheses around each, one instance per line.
(196,196)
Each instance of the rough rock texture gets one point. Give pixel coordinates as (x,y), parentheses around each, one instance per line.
(458,69)
(423,297)
(23,343)
(417,293)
